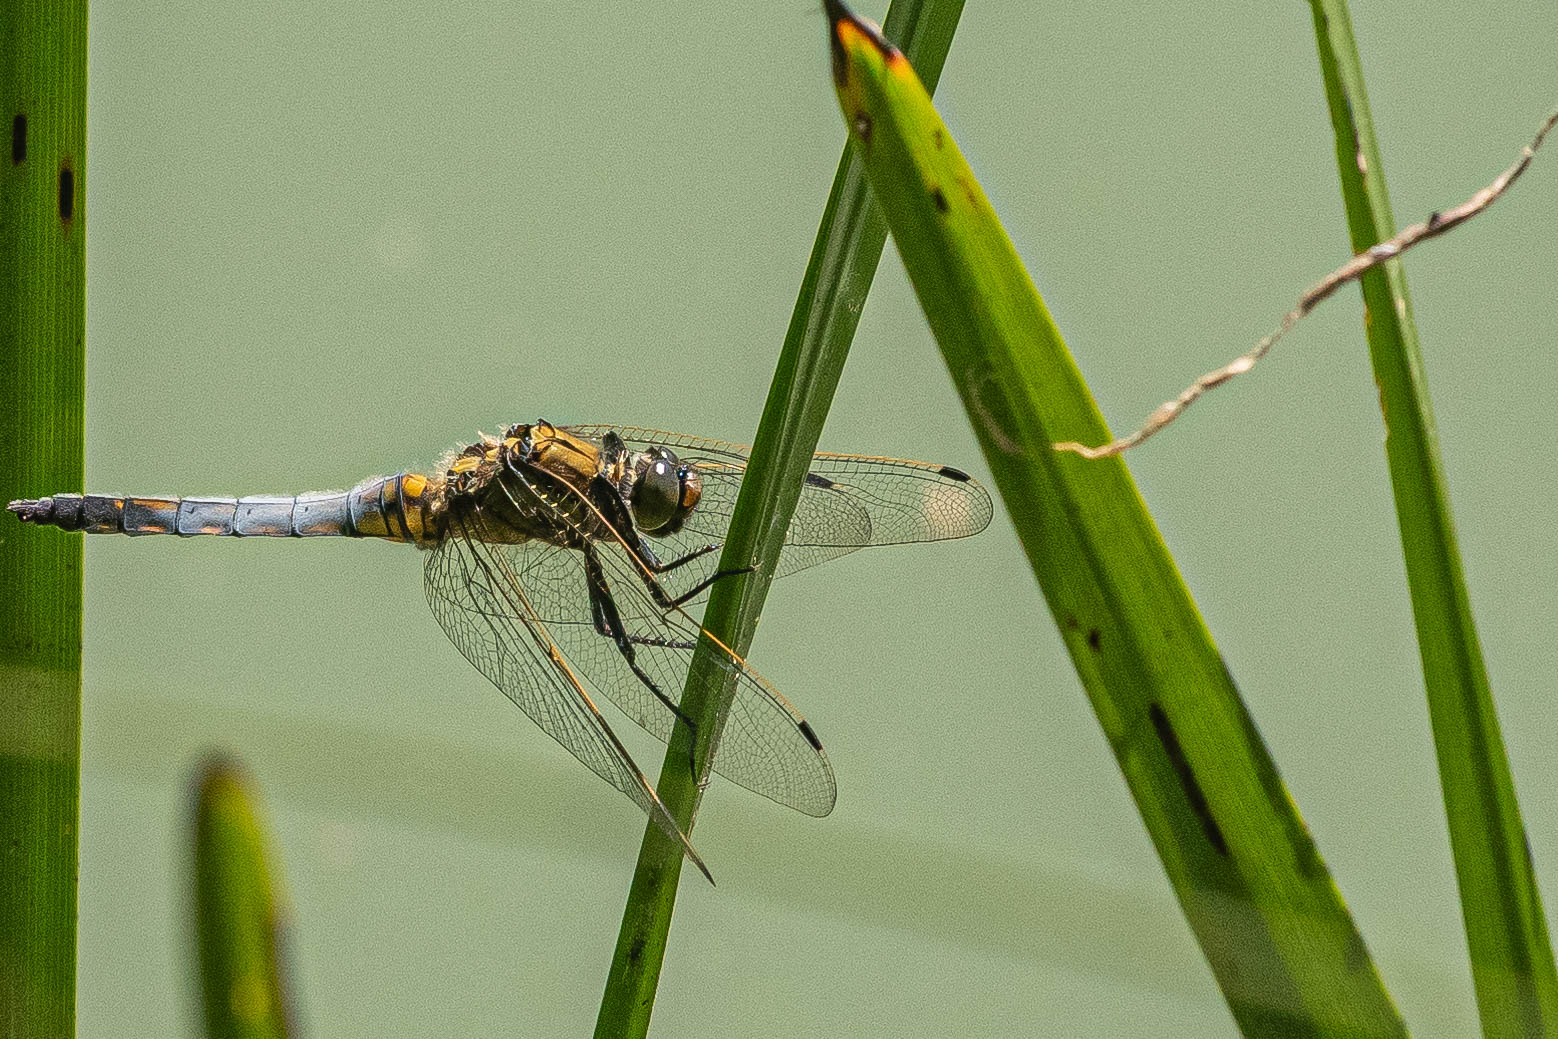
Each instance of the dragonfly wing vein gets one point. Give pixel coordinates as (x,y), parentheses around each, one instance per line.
(765,745)
(481,606)
(848,502)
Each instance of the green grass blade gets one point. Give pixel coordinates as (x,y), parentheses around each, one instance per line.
(838,276)
(1251,883)
(1511,954)
(43,70)
(238,927)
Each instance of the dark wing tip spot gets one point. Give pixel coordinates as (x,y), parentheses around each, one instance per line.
(813,480)
(955,474)
(811,737)
(939,200)
(1093,638)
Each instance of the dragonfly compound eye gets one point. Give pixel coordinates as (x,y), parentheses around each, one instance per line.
(657,495)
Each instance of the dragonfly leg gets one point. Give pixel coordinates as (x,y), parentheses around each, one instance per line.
(619,517)
(690,594)
(608,622)
(603,628)
(658,593)
(645,640)
(615,510)
(646,555)
(693,592)
(655,566)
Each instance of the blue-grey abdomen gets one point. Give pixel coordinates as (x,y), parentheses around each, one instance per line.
(392,507)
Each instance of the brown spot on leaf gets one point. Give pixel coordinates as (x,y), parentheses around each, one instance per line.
(862,124)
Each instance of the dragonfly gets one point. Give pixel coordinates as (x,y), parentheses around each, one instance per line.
(562,562)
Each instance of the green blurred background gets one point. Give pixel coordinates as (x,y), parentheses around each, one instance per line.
(334,240)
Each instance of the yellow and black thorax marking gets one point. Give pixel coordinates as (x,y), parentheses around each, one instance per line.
(532,483)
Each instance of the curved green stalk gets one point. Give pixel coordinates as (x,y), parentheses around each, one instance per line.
(838,276)
(1250,881)
(43,70)
(1506,933)
(238,925)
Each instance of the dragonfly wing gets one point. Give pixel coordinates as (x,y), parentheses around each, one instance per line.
(766,745)
(847,502)
(482,605)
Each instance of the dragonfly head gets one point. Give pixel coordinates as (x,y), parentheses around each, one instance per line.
(664,491)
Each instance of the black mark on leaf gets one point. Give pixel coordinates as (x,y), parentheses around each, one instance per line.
(1187,779)
(67,194)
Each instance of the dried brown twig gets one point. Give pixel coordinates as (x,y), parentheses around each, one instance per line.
(1437,224)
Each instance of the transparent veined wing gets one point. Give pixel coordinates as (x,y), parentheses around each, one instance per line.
(482,605)
(847,502)
(765,746)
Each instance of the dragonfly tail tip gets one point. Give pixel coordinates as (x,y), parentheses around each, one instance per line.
(29,510)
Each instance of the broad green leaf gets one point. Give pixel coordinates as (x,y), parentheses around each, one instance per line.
(1251,883)
(1511,954)
(43,83)
(838,276)
(237,922)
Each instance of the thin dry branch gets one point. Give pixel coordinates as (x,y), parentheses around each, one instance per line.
(1437,224)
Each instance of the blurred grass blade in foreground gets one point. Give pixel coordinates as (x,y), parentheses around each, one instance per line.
(1250,881)
(1506,932)
(238,924)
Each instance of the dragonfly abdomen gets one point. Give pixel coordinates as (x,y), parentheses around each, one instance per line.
(396,508)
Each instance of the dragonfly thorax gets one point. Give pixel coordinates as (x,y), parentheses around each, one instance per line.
(532,483)
(539,481)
